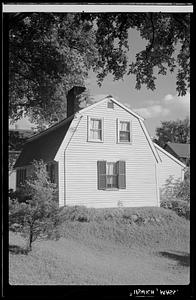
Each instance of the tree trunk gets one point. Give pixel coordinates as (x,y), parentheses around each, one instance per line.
(30,240)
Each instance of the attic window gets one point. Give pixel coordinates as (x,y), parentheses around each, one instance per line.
(110,104)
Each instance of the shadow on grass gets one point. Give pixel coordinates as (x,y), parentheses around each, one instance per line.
(14,249)
(182,258)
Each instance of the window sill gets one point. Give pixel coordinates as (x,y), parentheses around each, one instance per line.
(126,143)
(110,189)
(95,141)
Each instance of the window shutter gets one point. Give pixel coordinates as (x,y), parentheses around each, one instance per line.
(101,174)
(131,133)
(121,167)
(117,130)
(17,177)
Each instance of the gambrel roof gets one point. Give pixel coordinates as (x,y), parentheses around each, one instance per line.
(46,144)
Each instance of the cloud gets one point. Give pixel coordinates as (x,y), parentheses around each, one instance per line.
(152,111)
(185,102)
(177,103)
(168,97)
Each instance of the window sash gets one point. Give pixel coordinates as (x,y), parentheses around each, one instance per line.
(95,129)
(124,136)
(111,175)
(96,134)
(124,131)
(124,126)
(111,181)
(95,124)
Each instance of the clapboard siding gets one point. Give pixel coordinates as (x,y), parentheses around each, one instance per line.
(78,164)
(169,167)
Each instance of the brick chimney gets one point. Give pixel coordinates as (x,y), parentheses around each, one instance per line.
(73,104)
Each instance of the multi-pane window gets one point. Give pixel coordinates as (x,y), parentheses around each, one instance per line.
(95,129)
(124,131)
(20,177)
(111,175)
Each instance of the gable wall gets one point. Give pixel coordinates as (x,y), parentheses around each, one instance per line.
(169,167)
(81,156)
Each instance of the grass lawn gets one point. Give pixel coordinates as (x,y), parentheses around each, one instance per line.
(104,250)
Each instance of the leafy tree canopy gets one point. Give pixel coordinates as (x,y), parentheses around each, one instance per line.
(173,131)
(49,53)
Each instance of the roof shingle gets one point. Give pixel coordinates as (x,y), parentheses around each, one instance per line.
(44,145)
(182,150)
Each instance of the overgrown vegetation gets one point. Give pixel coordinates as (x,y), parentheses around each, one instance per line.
(148,228)
(37,214)
(176,195)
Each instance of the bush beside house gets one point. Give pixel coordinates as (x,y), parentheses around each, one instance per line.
(175,195)
(37,214)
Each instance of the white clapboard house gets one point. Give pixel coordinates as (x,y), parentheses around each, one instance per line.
(100,156)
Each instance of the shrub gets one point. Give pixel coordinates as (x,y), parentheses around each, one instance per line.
(19,195)
(38,215)
(175,195)
(182,208)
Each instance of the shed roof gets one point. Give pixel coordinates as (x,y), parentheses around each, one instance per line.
(182,150)
(169,155)
(44,145)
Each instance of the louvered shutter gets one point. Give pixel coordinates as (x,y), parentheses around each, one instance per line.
(101,174)
(17,178)
(121,167)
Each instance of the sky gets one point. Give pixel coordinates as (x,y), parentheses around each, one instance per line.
(162,104)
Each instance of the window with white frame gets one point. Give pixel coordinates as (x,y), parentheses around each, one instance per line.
(124,132)
(111,175)
(95,132)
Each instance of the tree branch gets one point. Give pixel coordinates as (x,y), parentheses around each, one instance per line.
(148,48)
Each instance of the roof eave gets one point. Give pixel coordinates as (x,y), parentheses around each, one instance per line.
(169,155)
(38,135)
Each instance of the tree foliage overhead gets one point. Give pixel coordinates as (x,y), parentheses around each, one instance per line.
(162,31)
(173,131)
(49,53)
